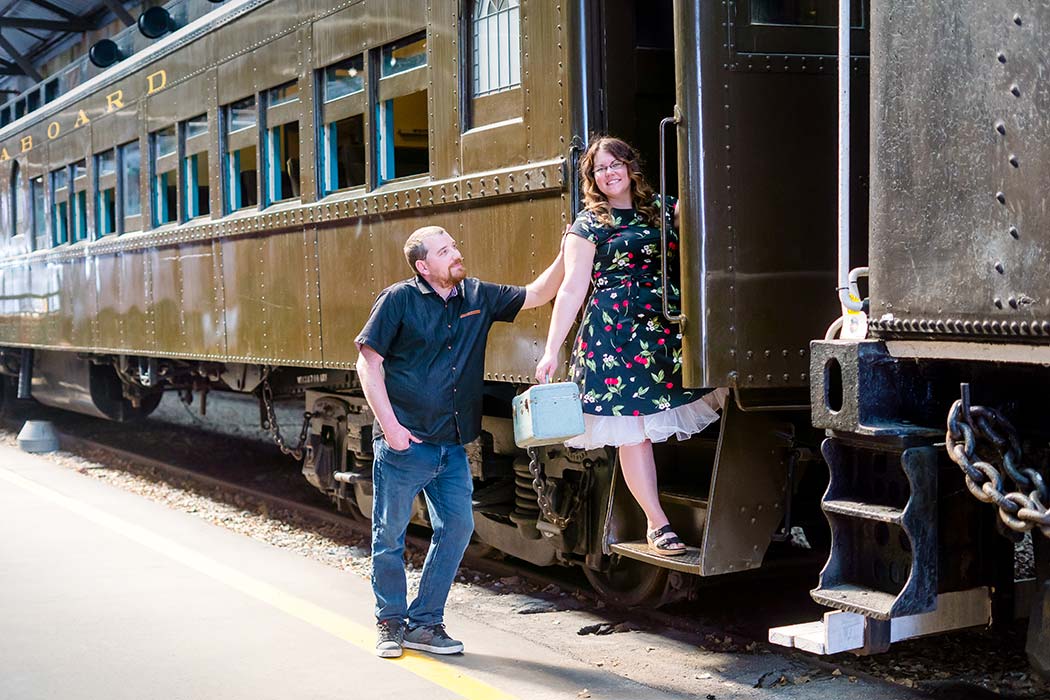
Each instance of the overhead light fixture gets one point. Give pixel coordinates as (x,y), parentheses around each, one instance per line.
(155,23)
(105,53)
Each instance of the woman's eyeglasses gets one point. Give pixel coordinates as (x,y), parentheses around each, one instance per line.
(615,165)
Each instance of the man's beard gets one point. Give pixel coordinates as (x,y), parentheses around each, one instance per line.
(455,276)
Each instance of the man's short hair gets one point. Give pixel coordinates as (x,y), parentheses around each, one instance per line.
(415,249)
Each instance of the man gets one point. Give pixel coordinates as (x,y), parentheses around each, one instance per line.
(421,365)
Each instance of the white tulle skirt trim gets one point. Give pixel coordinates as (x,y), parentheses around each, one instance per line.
(680,422)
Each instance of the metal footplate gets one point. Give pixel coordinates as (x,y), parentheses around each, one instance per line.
(688,562)
(881,504)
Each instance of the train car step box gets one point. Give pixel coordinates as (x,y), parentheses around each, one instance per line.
(547,414)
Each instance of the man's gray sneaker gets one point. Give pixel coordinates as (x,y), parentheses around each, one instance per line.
(391,633)
(432,638)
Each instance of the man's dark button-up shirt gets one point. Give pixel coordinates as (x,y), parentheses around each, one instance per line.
(433,352)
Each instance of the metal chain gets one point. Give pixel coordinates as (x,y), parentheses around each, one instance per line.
(971,430)
(543,487)
(270,423)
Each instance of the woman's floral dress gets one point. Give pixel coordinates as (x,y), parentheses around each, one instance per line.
(627,358)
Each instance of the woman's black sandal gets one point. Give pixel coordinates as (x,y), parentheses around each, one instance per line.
(663,540)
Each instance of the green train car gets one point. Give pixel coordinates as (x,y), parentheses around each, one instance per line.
(219,209)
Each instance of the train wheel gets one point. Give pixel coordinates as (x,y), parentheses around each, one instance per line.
(628,582)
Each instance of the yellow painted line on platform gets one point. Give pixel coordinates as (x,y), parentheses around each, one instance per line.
(429,668)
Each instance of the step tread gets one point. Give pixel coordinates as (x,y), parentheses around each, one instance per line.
(854,598)
(639,549)
(868,511)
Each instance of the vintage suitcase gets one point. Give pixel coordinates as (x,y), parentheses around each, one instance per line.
(547,414)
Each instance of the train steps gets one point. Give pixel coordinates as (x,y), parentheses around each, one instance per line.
(688,562)
(881,504)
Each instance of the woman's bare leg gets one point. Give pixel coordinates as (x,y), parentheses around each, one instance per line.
(639,471)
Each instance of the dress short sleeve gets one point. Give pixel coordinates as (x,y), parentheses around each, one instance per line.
(383,323)
(586,227)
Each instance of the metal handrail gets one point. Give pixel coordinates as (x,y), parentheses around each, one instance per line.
(673,318)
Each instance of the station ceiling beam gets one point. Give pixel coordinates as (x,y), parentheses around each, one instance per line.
(55,9)
(53,25)
(117,7)
(18,58)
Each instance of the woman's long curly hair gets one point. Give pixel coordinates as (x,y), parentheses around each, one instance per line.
(595,201)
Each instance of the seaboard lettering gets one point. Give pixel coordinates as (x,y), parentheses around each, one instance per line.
(155,82)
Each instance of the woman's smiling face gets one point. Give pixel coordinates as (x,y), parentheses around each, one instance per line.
(611,176)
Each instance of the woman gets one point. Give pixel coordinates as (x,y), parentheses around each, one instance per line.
(627,356)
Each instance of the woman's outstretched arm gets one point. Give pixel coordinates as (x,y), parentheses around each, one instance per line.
(579,259)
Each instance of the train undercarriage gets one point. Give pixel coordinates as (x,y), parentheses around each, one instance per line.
(735,489)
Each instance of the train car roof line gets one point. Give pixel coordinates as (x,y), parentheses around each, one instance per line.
(160,49)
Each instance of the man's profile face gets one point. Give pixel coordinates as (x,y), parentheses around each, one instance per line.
(444,263)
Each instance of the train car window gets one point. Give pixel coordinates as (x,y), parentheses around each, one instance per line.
(130,185)
(803,13)
(60,206)
(402,131)
(16,195)
(496,46)
(164,142)
(106,192)
(79,204)
(404,55)
(282,162)
(797,27)
(282,94)
(242,155)
(281,143)
(344,78)
(342,149)
(195,167)
(36,196)
(242,115)
(343,154)
(164,183)
(198,126)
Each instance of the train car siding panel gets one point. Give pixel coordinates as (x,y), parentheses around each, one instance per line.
(348,286)
(201,320)
(83,301)
(266,291)
(136,318)
(167,300)
(109,284)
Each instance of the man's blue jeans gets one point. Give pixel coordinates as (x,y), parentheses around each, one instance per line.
(441,472)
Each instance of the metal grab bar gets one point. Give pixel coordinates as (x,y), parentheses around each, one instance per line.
(673,318)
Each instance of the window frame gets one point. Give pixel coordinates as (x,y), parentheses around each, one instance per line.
(232,143)
(272,117)
(384,90)
(159,166)
(193,147)
(331,112)
(60,198)
(105,182)
(40,239)
(133,222)
(80,228)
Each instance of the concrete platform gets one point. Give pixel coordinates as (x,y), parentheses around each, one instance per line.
(107,595)
(104,594)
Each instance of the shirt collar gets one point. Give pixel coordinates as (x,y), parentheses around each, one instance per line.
(424,287)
